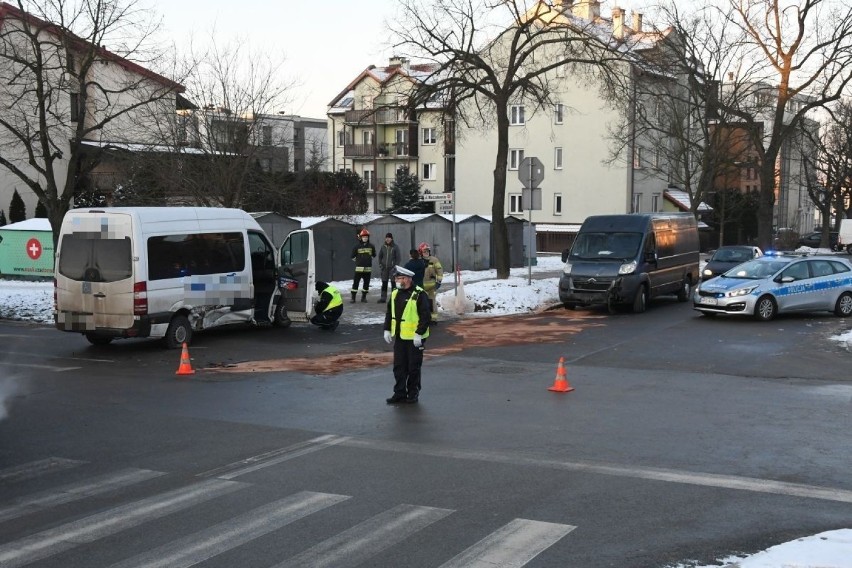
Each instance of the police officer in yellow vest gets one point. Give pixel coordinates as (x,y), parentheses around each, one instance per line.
(407,327)
(329,307)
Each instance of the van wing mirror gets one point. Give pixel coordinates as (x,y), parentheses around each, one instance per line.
(565,253)
(651,256)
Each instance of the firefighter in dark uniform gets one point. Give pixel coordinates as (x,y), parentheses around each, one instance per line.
(407,327)
(363,254)
(329,307)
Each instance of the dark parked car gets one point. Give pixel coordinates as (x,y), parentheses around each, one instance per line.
(725,258)
(813,240)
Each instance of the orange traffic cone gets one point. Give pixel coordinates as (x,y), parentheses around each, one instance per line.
(185,366)
(560,383)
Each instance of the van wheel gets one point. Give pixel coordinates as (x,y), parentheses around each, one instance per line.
(179,332)
(640,302)
(683,293)
(843,308)
(281,320)
(848,249)
(765,309)
(96,339)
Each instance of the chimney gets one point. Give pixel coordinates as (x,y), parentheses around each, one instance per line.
(617,22)
(587,9)
(637,22)
(397,61)
(563,5)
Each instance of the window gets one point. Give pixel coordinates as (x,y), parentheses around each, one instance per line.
(75,107)
(658,157)
(637,157)
(173,256)
(267,136)
(515,159)
(369,176)
(429,136)
(429,171)
(367,138)
(655,202)
(558,113)
(516,204)
(85,257)
(341,137)
(296,134)
(557,158)
(516,115)
(557,204)
(637,202)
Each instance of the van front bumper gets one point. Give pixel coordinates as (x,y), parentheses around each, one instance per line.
(588,291)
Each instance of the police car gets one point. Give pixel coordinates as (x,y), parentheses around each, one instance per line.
(779,283)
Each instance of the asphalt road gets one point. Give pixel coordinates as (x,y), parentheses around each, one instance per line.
(685,438)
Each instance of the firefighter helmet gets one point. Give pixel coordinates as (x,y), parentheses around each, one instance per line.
(423,247)
(364,233)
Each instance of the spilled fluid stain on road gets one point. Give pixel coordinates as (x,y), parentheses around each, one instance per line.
(546,327)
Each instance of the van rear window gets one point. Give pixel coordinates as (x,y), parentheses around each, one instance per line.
(84,258)
(173,256)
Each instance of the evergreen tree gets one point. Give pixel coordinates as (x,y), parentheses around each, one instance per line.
(405,193)
(40,211)
(17,209)
(2,217)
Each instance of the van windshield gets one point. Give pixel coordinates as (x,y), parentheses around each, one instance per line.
(88,259)
(592,246)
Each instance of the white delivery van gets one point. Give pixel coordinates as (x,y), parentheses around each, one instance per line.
(844,236)
(165,272)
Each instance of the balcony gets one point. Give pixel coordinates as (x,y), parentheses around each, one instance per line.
(384,151)
(384,115)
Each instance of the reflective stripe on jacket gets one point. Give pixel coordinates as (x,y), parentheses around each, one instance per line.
(410,320)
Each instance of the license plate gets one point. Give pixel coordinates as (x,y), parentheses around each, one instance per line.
(708,301)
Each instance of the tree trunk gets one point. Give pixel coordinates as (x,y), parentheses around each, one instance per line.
(766,202)
(498,217)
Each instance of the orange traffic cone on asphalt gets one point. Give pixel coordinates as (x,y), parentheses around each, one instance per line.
(185,367)
(560,383)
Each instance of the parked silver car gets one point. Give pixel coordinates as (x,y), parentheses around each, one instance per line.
(773,284)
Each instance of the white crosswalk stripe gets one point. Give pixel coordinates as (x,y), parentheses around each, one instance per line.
(75,492)
(355,545)
(52,541)
(512,546)
(239,530)
(36,468)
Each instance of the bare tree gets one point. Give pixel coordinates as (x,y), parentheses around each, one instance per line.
(65,98)
(669,101)
(489,54)
(786,59)
(828,170)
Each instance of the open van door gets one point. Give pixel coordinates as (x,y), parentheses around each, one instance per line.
(844,238)
(297,278)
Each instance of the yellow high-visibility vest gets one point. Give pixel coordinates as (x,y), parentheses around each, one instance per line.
(410,320)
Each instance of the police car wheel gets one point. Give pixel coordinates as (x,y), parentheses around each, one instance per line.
(843,308)
(765,309)
(178,332)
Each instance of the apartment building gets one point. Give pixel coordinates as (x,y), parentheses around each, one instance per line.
(373,133)
(126,105)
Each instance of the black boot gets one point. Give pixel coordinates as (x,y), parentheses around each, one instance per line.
(382,300)
(363,296)
(354,294)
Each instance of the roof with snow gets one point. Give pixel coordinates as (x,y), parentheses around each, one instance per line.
(36,224)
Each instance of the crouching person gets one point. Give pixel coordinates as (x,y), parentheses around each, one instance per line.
(329,307)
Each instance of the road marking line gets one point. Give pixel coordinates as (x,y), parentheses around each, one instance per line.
(42,356)
(36,366)
(511,546)
(206,544)
(89,529)
(76,491)
(653,474)
(274,457)
(37,468)
(354,546)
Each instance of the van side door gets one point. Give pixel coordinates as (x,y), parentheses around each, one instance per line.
(263,271)
(297,275)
